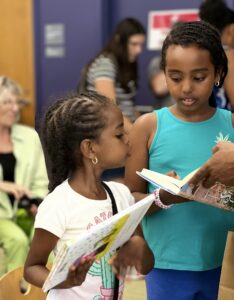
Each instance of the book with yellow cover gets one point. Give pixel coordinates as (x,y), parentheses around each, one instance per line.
(218,195)
(106,236)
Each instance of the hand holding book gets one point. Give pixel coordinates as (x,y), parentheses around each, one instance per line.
(77,273)
(104,238)
(168,198)
(219,168)
(135,253)
(218,195)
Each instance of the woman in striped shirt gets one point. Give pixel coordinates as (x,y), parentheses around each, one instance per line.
(113,72)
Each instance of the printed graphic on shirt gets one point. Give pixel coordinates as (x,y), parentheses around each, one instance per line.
(101,266)
(221,137)
(99,219)
(103,269)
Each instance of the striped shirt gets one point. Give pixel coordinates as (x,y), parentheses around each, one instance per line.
(104,68)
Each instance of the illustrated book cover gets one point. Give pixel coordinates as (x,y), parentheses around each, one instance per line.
(106,236)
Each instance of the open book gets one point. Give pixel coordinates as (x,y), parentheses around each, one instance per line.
(218,195)
(106,236)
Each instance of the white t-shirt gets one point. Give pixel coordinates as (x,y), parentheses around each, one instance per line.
(66,214)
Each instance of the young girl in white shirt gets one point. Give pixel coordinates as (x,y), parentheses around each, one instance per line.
(83,136)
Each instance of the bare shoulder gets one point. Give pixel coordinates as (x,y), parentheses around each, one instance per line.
(146,122)
(144,128)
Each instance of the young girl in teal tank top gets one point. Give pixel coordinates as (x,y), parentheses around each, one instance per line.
(188,239)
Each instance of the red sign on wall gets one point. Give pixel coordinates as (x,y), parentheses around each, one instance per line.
(160,23)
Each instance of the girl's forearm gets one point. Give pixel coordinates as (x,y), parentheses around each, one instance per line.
(153,208)
(36,275)
(148,259)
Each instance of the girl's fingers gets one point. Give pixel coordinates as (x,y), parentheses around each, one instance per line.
(84,264)
(78,271)
(173,174)
(115,270)
(112,259)
(122,273)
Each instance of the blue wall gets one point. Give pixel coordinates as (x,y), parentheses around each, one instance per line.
(83,21)
(88,24)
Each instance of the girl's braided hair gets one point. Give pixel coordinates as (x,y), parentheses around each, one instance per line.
(66,123)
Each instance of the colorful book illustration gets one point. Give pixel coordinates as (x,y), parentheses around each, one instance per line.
(101,239)
(218,195)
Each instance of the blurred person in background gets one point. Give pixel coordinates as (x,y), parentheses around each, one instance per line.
(158,85)
(113,72)
(218,14)
(22,173)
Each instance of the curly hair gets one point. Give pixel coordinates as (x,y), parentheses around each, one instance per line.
(66,123)
(203,36)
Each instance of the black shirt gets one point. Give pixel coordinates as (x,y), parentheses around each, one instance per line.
(8,162)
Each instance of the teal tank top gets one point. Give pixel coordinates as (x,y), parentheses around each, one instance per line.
(189,236)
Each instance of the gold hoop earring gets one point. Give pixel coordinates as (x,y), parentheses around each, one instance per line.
(94,160)
(217,83)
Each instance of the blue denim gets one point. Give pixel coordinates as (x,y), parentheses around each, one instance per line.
(165,284)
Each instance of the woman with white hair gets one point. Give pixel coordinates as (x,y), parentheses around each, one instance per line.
(22,172)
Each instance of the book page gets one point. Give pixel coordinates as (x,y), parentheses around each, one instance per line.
(168,183)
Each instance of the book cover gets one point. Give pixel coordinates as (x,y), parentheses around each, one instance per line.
(218,195)
(106,236)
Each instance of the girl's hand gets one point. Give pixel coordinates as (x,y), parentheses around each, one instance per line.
(172,174)
(135,253)
(77,273)
(168,199)
(16,190)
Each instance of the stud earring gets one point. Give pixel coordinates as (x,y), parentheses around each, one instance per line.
(217,83)
(94,160)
